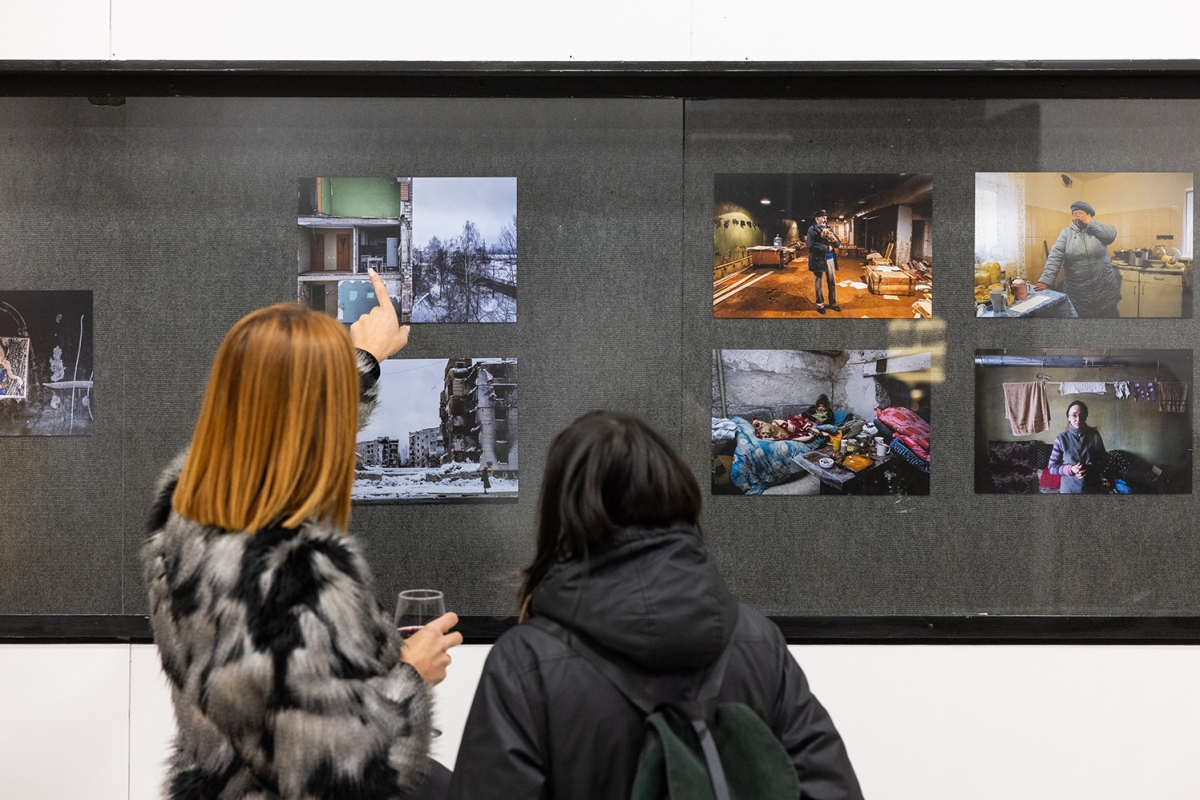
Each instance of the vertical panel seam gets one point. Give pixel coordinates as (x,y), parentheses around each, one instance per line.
(682,272)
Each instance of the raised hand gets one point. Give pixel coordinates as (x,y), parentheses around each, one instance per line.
(379,332)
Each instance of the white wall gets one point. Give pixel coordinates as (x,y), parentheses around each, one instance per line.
(921,722)
(618,30)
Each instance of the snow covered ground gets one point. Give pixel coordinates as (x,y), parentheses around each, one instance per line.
(489,307)
(448,482)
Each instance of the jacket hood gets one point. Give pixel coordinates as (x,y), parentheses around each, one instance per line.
(652,595)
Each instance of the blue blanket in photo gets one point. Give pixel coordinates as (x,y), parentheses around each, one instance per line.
(759,464)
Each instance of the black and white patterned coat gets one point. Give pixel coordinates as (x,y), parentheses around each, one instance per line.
(284,671)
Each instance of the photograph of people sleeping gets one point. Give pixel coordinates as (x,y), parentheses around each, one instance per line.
(806,422)
(1061,421)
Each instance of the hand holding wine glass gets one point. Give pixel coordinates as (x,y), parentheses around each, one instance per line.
(425,627)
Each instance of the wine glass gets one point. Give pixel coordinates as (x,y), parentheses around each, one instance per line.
(417,607)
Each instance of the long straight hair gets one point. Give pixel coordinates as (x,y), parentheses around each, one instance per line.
(606,471)
(274,443)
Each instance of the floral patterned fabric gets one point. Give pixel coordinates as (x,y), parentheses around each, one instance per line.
(759,464)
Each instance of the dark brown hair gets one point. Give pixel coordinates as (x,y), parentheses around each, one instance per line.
(606,471)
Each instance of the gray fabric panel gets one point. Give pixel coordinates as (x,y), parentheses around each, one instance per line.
(953,552)
(211,234)
(61,526)
(179,214)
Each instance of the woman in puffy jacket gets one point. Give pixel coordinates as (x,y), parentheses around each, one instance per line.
(1081,252)
(287,679)
(620,564)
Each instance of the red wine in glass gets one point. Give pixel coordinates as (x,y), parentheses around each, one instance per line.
(415,608)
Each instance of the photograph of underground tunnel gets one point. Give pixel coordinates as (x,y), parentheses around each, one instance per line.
(823,245)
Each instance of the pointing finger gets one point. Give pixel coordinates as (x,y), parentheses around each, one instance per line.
(381,292)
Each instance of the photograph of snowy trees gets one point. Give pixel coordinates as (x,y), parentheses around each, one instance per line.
(446,248)
(464,250)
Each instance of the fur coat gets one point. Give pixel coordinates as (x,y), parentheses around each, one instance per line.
(284,671)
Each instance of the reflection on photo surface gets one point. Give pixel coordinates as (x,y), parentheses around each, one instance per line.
(1061,421)
(443,430)
(823,245)
(799,422)
(446,248)
(1099,245)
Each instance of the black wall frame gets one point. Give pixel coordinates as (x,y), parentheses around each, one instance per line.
(112,85)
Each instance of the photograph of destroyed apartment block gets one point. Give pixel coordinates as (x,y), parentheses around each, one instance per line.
(803,422)
(1103,245)
(831,246)
(443,430)
(1070,421)
(446,248)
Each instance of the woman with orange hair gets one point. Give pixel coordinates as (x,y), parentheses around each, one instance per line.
(287,678)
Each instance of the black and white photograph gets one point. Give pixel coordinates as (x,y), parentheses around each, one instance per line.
(14,368)
(443,430)
(1099,245)
(46,363)
(834,246)
(1076,421)
(807,422)
(446,248)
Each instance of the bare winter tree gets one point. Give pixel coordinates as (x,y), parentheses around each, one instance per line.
(507,242)
(474,260)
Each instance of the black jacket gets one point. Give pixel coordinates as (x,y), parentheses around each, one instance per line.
(546,724)
(818,248)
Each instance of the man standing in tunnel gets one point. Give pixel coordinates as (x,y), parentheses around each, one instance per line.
(821,245)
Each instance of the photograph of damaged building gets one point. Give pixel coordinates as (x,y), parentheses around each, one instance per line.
(446,248)
(443,430)
(879,229)
(1123,415)
(804,422)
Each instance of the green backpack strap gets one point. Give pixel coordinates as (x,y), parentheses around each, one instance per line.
(757,767)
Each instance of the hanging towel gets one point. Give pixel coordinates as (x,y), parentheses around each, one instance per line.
(1142,391)
(1121,389)
(1026,407)
(1081,387)
(1172,396)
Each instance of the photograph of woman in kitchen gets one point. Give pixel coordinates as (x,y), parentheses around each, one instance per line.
(1058,421)
(1096,245)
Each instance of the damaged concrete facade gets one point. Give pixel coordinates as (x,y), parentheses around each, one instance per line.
(479,406)
(380,452)
(425,448)
(346,226)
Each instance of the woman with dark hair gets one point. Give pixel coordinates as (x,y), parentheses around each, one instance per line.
(1078,455)
(287,678)
(620,566)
